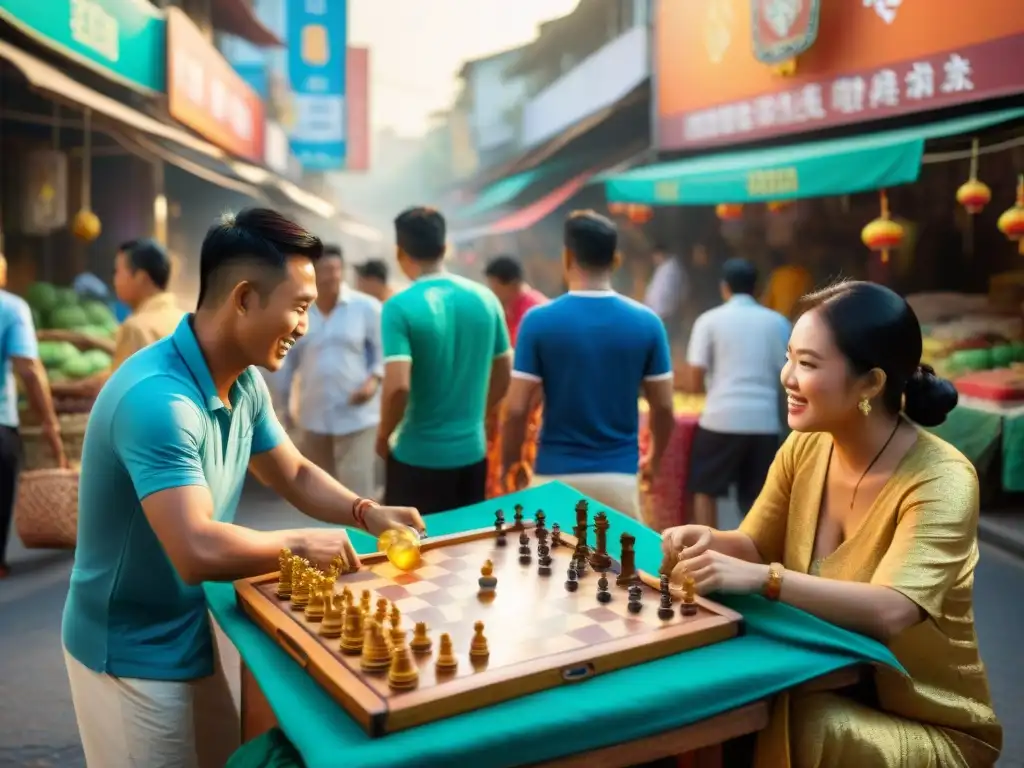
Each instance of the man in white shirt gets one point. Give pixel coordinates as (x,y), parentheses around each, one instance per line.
(668,287)
(736,353)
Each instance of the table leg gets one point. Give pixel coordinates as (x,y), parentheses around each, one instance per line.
(257,716)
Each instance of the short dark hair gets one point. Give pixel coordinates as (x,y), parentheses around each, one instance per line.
(592,239)
(740,275)
(252,241)
(376,269)
(149,256)
(505,269)
(875,327)
(421,233)
(333,251)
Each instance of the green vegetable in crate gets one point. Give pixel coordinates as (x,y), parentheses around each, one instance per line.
(99,314)
(68,317)
(77,367)
(98,360)
(54,354)
(1002,356)
(41,296)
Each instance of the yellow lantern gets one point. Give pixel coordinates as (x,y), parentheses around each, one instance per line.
(86,226)
(729,211)
(974,195)
(778,206)
(883,234)
(1011,223)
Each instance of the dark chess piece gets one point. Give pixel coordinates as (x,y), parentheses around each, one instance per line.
(627,561)
(571,582)
(524,548)
(580,562)
(600,560)
(499,526)
(540,518)
(556,536)
(665,611)
(635,597)
(543,553)
(603,595)
(517,518)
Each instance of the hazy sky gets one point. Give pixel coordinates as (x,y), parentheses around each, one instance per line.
(418,46)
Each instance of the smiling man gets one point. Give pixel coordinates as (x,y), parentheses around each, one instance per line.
(169,442)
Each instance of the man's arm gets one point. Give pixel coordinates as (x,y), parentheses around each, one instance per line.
(698,357)
(501,363)
(658,389)
(397,371)
(524,391)
(19,339)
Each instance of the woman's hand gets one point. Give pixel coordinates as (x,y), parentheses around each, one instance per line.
(712,571)
(693,538)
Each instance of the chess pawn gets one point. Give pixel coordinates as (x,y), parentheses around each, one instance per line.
(517,518)
(665,611)
(352,633)
(478,649)
(571,582)
(376,654)
(382,611)
(420,639)
(333,620)
(487,581)
(284,581)
(524,548)
(603,595)
(364,602)
(446,659)
(556,536)
(403,673)
(499,527)
(635,596)
(541,519)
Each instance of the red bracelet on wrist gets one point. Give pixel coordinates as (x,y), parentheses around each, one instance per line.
(359,509)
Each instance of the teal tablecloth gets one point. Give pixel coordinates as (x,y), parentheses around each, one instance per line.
(782,647)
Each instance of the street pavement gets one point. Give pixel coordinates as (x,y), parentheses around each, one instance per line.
(37,726)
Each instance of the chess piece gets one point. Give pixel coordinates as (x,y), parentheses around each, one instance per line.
(446,659)
(346,597)
(571,581)
(499,527)
(600,560)
(517,518)
(487,581)
(689,606)
(315,607)
(627,560)
(540,519)
(381,615)
(334,616)
(580,556)
(556,536)
(364,602)
(376,654)
(396,625)
(352,632)
(603,595)
(478,645)
(284,579)
(665,611)
(524,548)
(581,513)
(300,590)
(635,598)
(421,641)
(403,673)
(543,552)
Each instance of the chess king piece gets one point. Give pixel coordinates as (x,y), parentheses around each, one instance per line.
(665,611)
(517,518)
(334,616)
(600,560)
(635,598)
(689,606)
(487,581)
(543,552)
(603,595)
(446,659)
(556,536)
(571,581)
(284,580)
(499,527)
(627,560)
(524,548)
(352,632)
(478,646)
(421,641)
(403,673)
(376,654)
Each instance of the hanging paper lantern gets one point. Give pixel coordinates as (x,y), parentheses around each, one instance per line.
(1011,223)
(883,234)
(778,206)
(639,214)
(617,209)
(974,195)
(729,211)
(86,225)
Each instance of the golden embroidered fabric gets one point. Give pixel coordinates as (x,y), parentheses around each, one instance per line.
(920,538)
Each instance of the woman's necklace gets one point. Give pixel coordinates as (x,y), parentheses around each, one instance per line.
(878,455)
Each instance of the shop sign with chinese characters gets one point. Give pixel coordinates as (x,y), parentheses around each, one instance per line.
(954,77)
(207,95)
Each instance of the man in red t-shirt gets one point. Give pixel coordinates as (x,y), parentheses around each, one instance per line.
(505,277)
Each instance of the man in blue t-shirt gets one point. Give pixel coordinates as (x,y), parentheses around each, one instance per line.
(167,448)
(591,351)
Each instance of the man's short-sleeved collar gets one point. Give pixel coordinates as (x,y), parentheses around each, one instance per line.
(741,300)
(185,341)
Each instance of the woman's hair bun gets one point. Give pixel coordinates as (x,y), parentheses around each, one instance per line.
(928,398)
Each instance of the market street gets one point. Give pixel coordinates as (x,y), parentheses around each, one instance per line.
(37,727)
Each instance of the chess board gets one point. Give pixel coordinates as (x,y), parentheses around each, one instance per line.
(540,635)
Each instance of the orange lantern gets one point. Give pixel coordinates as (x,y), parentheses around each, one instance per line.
(1011,223)
(639,214)
(883,234)
(974,195)
(729,211)
(617,209)
(86,225)
(778,206)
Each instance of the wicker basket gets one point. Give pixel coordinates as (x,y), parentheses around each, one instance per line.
(46,508)
(37,450)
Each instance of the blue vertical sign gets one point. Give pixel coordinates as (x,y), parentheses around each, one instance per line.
(317,38)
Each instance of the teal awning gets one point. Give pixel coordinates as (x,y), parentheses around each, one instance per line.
(816,169)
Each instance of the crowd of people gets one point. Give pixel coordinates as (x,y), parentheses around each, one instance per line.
(430,398)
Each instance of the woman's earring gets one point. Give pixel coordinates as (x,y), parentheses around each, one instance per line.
(865,406)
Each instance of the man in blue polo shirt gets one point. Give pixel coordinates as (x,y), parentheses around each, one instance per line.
(167,448)
(592,352)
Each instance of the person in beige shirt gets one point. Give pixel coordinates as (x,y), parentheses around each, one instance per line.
(142,271)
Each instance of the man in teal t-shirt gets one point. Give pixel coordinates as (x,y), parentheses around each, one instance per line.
(167,448)
(447,363)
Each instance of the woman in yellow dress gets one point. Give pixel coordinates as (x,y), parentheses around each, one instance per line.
(870,523)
